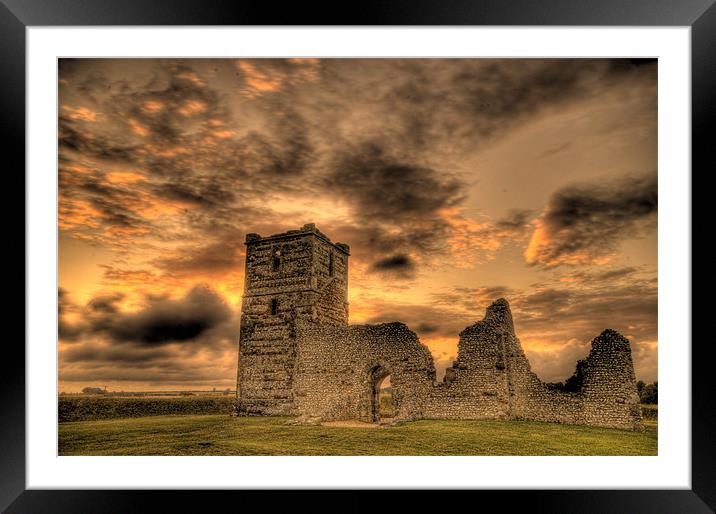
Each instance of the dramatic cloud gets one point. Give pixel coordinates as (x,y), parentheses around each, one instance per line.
(583,225)
(165,341)
(166,164)
(162,320)
(381,187)
(401,202)
(466,103)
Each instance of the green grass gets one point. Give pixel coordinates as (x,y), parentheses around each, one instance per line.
(226,435)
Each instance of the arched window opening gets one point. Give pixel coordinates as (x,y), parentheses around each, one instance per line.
(386,407)
(274,307)
(276,260)
(383,405)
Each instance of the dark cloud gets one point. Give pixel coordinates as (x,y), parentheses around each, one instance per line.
(194,160)
(161,321)
(217,149)
(615,273)
(385,189)
(167,321)
(204,192)
(68,331)
(583,309)
(288,150)
(73,136)
(372,143)
(582,224)
(157,377)
(426,328)
(465,103)
(499,92)
(397,203)
(397,266)
(188,340)
(116,354)
(556,149)
(105,304)
(369,241)
(175,103)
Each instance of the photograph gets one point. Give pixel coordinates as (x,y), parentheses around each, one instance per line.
(357,256)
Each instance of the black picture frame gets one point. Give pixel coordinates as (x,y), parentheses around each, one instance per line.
(699,15)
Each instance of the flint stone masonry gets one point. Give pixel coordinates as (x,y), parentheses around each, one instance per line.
(299,356)
(299,275)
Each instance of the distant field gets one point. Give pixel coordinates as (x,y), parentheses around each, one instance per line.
(78,408)
(226,435)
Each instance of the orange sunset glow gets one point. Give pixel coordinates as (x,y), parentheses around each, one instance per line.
(454,181)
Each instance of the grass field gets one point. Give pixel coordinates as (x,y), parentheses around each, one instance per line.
(226,435)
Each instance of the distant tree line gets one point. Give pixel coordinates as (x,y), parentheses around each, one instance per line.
(648,393)
(574,383)
(94,390)
(103,391)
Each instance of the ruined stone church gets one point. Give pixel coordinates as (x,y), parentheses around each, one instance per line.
(299,356)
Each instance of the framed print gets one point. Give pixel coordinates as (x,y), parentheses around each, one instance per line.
(425,248)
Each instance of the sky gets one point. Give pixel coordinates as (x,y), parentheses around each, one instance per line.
(454,181)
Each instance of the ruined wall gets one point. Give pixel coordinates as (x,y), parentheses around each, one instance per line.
(297,355)
(529,397)
(476,385)
(334,366)
(491,378)
(297,275)
(492,363)
(609,386)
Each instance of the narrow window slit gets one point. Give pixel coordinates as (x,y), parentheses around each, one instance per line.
(276,261)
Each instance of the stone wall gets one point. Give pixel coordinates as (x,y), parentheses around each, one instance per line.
(336,367)
(476,386)
(490,379)
(609,386)
(299,356)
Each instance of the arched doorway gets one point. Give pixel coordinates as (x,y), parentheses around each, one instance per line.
(382,404)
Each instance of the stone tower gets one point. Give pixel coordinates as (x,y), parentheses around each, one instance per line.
(296,276)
